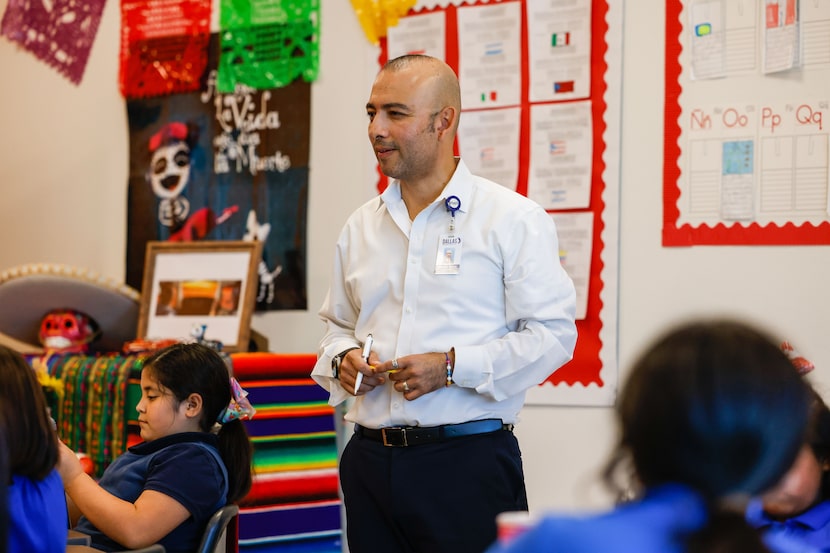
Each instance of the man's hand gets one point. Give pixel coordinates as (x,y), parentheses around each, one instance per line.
(352,364)
(416,375)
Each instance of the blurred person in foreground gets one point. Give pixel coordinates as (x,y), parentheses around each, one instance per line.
(711,414)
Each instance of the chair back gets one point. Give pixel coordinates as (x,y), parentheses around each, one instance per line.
(215,529)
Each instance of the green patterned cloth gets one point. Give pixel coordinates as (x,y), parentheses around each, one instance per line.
(92,409)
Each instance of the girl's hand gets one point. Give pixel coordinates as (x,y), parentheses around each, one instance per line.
(69,466)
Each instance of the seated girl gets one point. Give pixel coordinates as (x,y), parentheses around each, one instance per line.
(195,458)
(36,503)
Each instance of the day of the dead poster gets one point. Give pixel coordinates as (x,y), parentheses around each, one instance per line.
(213,166)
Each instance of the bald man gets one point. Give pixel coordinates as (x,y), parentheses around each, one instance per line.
(457,280)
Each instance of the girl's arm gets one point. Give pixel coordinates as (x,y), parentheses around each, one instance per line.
(73,511)
(133,525)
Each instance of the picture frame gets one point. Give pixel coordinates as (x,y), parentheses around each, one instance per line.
(201,288)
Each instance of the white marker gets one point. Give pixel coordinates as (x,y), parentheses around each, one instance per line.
(367,349)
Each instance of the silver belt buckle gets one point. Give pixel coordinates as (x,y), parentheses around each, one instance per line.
(386,433)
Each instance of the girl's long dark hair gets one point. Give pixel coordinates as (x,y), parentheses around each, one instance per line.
(193,368)
(717,406)
(30,436)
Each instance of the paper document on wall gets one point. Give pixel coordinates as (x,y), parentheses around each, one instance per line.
(781,36)
(488,141)
(722,36)
(561,147)
(418,34)
(559,49)
(814,31)
(489,55)
(576,238)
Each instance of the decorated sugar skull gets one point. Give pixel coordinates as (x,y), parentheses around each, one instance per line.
(169,170)
(67,331)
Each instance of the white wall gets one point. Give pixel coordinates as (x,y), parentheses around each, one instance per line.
(63,173)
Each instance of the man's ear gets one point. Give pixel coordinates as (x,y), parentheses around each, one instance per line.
(445,121)
(193,404)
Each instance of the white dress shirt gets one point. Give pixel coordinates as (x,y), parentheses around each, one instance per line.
(508,311)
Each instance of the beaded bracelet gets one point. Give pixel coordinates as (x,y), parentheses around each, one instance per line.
(449,369)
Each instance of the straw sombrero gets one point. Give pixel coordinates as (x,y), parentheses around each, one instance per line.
(29,292)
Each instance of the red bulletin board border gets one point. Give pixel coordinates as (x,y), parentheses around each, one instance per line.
(585,368)
(720,234)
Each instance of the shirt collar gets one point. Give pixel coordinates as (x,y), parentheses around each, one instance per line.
(817,517)
(459,185)
(813,518)
(669,505)
(145,448)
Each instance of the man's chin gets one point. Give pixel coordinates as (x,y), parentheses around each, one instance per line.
(387,166)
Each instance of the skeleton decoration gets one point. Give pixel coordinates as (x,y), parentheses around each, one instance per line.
(256,231)
(171,149)
(170,172)
(67,331)
(198,333)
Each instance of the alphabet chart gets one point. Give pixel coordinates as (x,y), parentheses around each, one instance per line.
(747,127)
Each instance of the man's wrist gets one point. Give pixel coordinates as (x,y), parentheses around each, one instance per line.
(449,359)
(337,359)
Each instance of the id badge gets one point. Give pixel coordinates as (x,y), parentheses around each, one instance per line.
(448,259)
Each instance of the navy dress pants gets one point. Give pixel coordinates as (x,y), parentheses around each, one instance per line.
(430,498)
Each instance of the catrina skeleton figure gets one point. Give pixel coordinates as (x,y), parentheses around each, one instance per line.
(169,174)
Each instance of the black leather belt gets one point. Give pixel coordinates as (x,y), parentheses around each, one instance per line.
(403,436)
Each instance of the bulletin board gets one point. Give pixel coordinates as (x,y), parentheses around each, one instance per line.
(591,377)
(746,122)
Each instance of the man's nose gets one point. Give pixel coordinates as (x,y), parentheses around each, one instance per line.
(377,129)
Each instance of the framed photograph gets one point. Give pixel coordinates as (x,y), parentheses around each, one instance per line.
(190,286)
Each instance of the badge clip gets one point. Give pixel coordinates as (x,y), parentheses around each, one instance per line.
(453,204)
